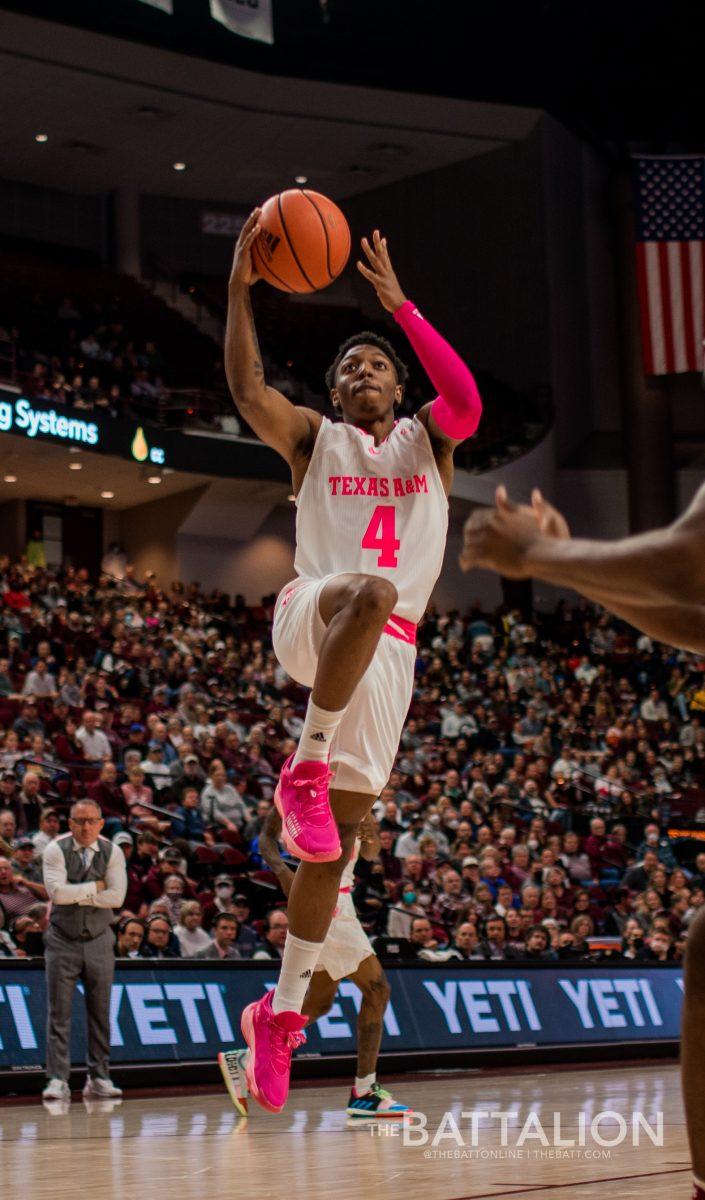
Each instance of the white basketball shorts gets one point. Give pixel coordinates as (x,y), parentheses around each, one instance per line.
(367,739)
(346,944)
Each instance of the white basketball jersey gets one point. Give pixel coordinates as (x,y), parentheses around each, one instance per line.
(374,510)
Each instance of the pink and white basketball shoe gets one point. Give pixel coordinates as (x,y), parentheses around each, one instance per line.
(271,1038)
(309,830)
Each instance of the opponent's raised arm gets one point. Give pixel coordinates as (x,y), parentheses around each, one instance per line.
(664,565)
(289,430)
(268,845)
(640,579)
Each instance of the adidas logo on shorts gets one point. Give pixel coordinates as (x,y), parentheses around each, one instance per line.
(305,974)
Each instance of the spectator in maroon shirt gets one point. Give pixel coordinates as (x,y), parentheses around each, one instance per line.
(169,864)
(392,865)
(16,894)
(16,597)
(519,867)
(133,901)
(18,658)
(108,794)
(603,850)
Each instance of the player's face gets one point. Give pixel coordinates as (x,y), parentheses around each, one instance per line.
(366,385)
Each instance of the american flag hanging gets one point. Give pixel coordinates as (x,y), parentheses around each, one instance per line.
(670,260)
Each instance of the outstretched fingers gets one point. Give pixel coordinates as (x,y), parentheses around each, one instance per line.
(504,504)
(371,275)
(251,227)
(474,537)
(370,253)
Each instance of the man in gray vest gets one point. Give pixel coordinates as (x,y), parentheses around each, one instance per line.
(86,879)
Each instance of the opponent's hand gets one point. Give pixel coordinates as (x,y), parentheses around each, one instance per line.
(550,521)
(243,271)
(367,829)
(500,538)
(381,273)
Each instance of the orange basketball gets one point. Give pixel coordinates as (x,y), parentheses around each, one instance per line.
(304,242)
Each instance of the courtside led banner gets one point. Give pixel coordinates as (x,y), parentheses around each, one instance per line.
(197,451)
(173,1011)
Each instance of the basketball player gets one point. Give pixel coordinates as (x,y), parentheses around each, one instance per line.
(656,581)
(372,517)
(347,954)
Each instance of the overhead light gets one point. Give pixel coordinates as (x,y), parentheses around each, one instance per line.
(10,478)
(154,477)
(41,137)
(301,179)
(107,495)
(179,166)
(75,466)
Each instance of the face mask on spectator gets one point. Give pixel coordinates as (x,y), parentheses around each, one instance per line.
(224,889)
(409,897)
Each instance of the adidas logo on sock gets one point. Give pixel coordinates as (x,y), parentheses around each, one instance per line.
(305,974)
(318,737)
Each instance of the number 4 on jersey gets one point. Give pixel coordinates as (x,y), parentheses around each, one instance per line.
(381,535)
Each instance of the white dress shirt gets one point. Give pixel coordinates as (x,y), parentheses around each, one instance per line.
(191,941)
(95,745)
(62,892)
(39,685)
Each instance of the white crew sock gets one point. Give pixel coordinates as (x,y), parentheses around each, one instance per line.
(317,734)
(298,964)
(365,1083)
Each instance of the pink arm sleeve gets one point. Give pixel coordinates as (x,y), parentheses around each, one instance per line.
(457,408)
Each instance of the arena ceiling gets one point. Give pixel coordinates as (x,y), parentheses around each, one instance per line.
(625,74)
(117,112)
(45,472)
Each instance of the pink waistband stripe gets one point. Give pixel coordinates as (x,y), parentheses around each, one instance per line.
(399,627)
(344,890)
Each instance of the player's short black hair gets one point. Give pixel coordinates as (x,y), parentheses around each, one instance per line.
(368,338)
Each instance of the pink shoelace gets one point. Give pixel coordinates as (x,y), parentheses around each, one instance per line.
(316,804)
(283,1044)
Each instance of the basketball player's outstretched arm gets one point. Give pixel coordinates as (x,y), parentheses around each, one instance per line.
(289,430)
(268,845)
(370,843)
(455,413)
(655,580)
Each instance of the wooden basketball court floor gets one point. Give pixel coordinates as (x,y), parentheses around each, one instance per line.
(195,1147)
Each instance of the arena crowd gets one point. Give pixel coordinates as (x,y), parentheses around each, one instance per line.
(526,818)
